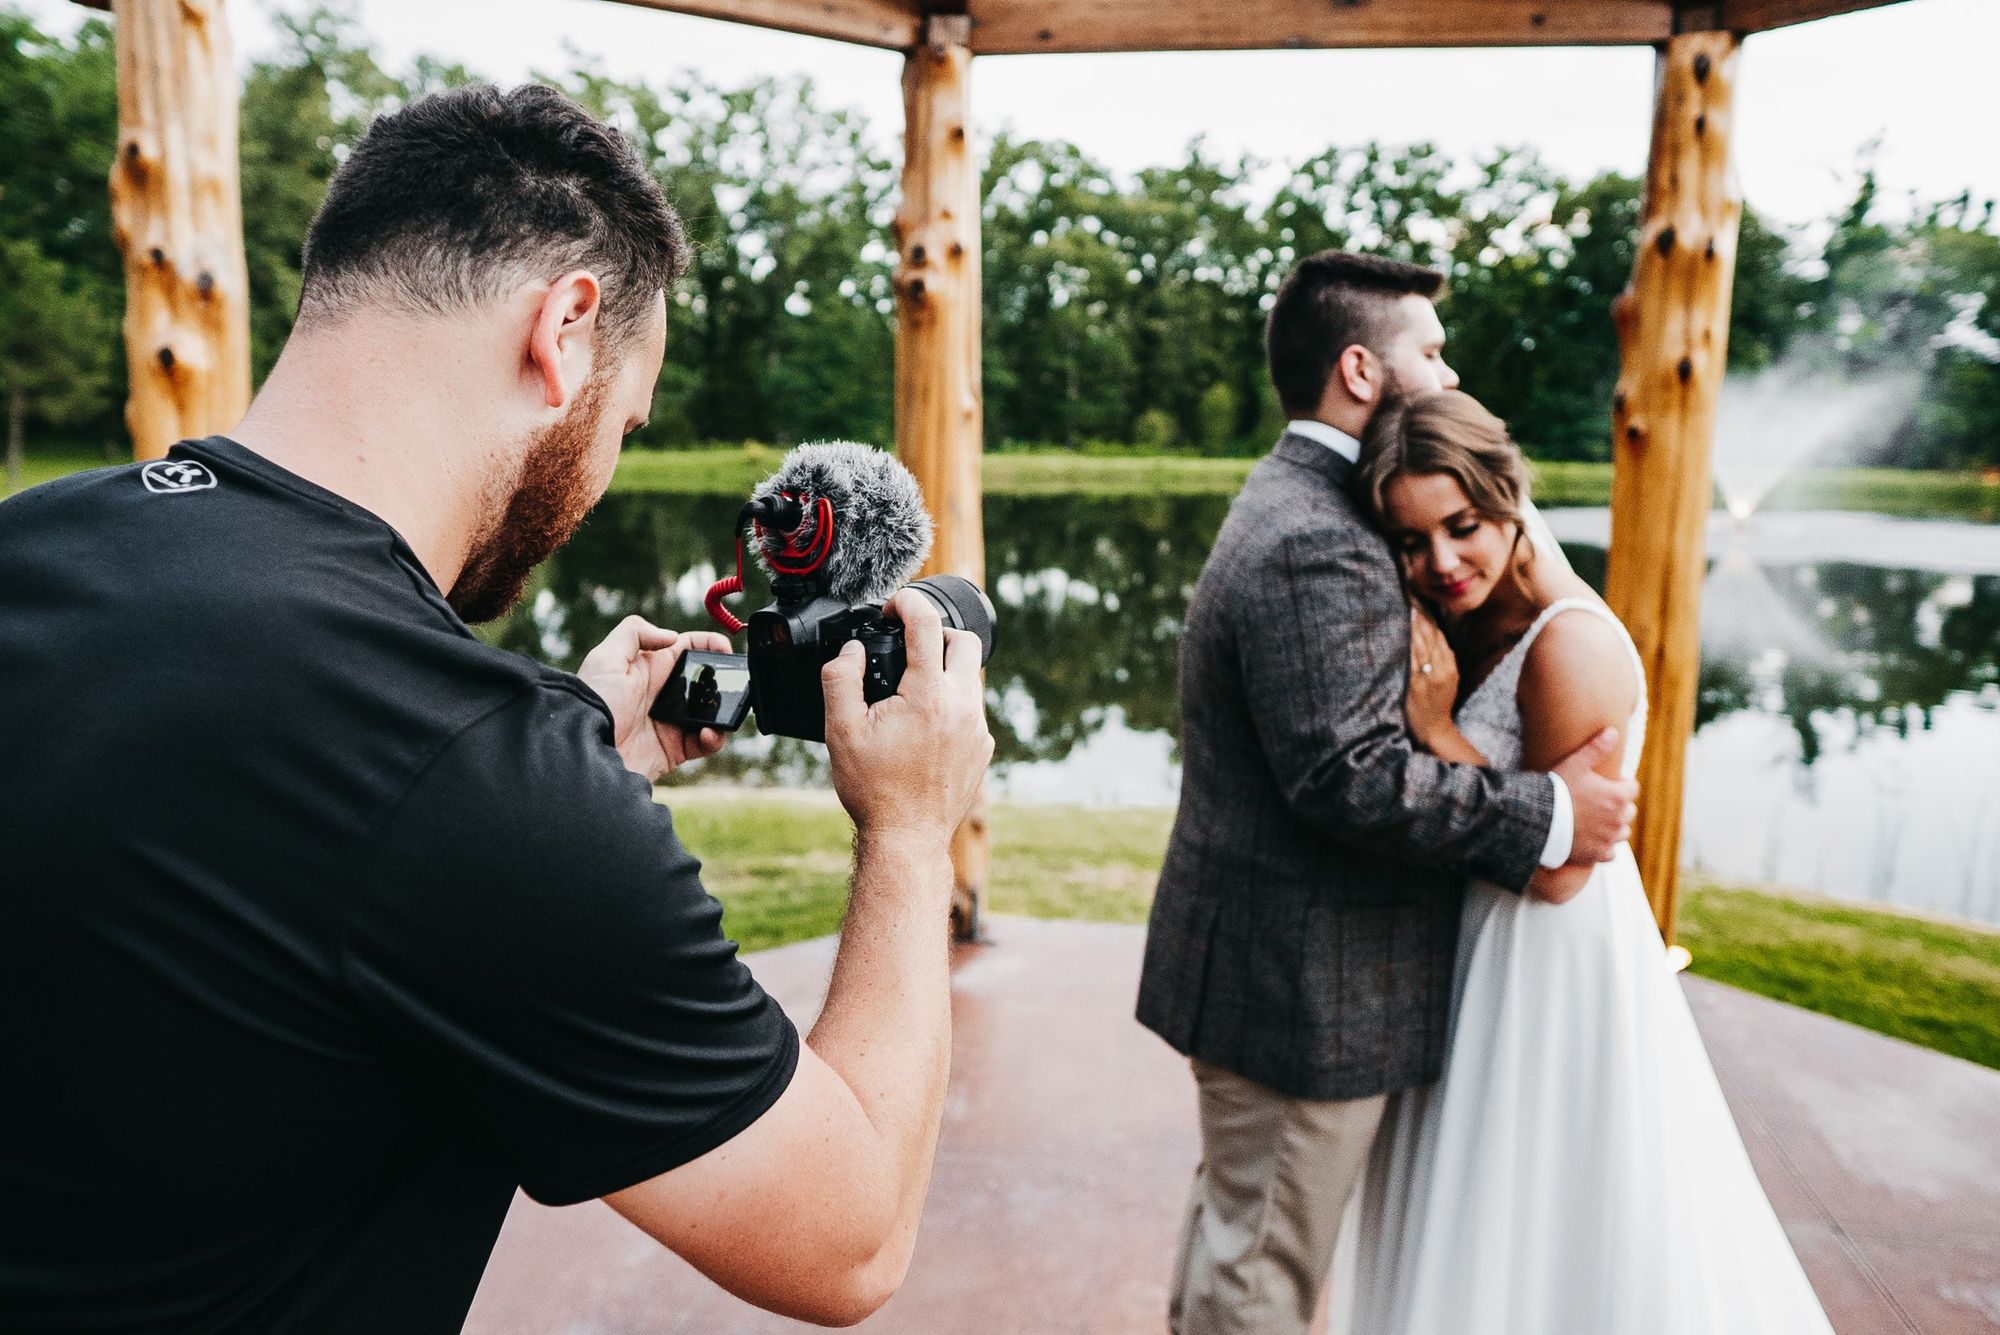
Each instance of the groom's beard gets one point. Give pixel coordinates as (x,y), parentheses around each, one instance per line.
(1392,387)
(551,497)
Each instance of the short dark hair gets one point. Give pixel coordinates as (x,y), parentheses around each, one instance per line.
(465,193)
(1329,303)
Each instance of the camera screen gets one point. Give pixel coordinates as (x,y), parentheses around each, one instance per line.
(708,689)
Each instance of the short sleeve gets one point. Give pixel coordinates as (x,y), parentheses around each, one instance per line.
(532,939)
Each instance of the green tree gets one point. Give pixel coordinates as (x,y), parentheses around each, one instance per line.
(302,110)
(56,347)
(1058,367)
(64,285)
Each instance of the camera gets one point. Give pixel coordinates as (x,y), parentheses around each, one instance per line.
(805,627)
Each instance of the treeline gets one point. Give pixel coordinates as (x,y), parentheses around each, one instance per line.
(1119,312)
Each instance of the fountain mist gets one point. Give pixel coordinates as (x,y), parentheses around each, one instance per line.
(1771,422)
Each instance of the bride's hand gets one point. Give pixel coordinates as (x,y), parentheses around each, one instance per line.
(1433,680)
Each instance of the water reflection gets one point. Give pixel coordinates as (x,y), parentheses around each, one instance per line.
(1842,693)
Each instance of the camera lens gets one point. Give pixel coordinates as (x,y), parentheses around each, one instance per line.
(963,605)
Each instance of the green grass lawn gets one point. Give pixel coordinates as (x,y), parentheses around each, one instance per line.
(733,471)
(736,471)
(1925,980)
(778,862)
(38,468)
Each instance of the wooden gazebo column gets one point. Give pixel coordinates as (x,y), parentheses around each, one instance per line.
(1673,335)
(177,217)
(939,424)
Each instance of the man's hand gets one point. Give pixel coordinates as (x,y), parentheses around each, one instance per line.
(912,763)
(1603,802)
(627,671)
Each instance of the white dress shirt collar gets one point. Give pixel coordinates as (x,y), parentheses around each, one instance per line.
(1342,444)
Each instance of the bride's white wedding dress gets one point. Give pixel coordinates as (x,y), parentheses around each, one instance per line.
(1575,1171)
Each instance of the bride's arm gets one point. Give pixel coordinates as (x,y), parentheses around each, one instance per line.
(1577,681)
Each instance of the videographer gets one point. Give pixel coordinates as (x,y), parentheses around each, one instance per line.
(330,925)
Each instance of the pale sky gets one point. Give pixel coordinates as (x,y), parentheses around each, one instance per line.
(1916,74)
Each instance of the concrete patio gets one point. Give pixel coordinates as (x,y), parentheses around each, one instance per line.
(1069,1137)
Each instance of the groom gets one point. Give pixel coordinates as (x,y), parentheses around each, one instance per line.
(1302,940)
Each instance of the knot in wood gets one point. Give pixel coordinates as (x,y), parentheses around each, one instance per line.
(1701,125)
(1664,242)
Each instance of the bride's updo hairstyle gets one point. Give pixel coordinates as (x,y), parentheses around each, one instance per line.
(1450,433)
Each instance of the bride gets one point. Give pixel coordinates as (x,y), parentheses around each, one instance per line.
(1575,1171)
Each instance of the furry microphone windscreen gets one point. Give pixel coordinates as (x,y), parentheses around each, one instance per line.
(881,530)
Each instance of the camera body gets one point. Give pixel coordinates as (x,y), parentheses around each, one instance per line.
(797,636)
(791,641)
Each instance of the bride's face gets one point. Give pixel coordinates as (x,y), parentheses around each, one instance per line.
(1452,554)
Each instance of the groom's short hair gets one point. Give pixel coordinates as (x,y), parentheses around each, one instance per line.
(1329,303)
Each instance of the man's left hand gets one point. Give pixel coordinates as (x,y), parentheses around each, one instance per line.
(627,671)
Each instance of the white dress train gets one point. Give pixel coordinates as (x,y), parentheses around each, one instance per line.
(1576,1170)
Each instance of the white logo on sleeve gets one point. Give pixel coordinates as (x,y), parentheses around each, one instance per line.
(170,477)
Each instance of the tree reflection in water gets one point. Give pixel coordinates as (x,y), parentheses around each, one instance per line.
(1092,591)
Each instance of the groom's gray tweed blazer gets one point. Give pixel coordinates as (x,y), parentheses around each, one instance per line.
(1307,915)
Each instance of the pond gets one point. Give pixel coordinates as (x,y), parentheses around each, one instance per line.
(1848,732)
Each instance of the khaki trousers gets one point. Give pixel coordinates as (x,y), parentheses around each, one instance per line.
(1275,1177)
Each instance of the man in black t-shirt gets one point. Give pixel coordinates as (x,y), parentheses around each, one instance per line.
(329,925)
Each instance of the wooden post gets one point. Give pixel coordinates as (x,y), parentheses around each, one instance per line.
(177,216)
(1673,334)
(939,428)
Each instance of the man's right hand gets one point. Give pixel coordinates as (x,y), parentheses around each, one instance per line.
(910,764)
(1603,802)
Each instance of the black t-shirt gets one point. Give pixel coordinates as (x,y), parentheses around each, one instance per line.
(323,924)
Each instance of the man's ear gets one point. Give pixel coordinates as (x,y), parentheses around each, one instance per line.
(562,343)
(1359,374)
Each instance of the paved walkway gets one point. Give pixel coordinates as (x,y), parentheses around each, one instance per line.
(1069,1138)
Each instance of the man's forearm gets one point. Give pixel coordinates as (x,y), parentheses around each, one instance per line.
(1380,795)
(886,1026)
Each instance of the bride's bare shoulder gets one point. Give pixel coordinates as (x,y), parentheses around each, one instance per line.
(1578,677)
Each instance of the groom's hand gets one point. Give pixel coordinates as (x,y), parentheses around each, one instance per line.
(1602,798)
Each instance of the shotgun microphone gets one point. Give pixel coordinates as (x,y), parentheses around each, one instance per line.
(845,514)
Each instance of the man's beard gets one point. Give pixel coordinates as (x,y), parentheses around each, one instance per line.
(552,494)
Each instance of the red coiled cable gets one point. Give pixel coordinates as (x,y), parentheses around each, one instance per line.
(725,588)
(796,560)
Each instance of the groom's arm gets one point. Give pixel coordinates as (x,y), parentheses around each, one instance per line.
(1325,656)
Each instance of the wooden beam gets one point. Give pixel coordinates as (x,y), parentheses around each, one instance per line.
(177,218)
(1019,26)
(1673,334)
(890,23)
(939,426)
(1748,16)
